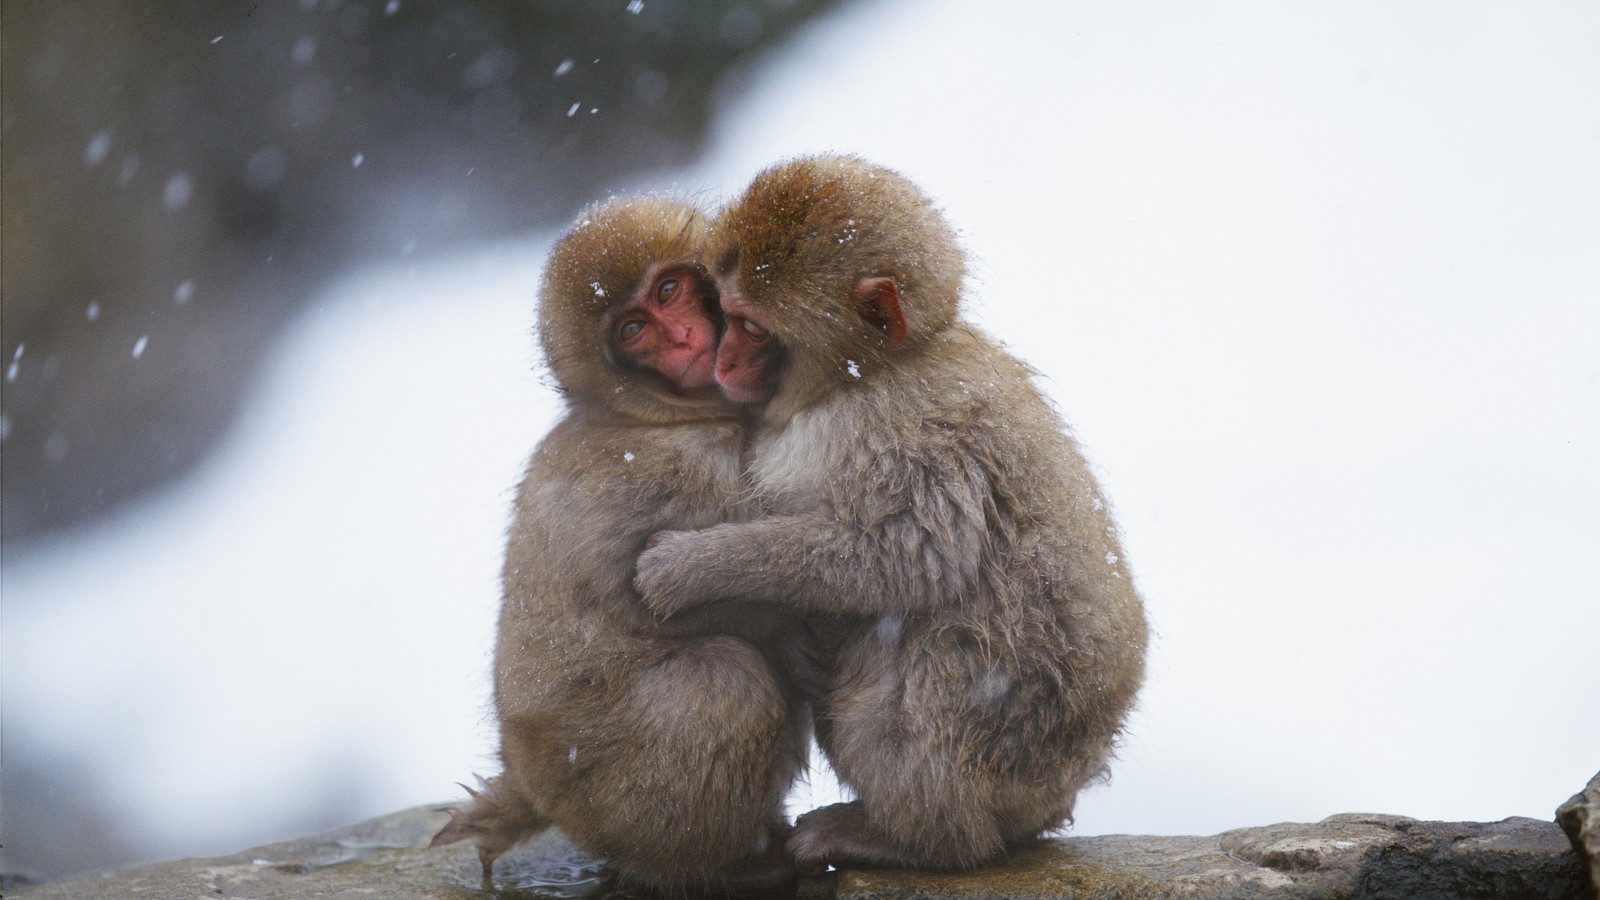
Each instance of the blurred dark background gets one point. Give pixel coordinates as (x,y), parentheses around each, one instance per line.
(178,176)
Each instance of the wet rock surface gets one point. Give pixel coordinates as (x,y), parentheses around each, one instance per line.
(1342,856)
(1352,855)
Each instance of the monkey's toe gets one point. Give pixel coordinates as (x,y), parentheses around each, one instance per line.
(820,838)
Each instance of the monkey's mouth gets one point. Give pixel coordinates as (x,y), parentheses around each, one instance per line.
(739,392)
(687,379)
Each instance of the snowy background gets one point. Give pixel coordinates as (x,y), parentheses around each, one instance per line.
(1318,287)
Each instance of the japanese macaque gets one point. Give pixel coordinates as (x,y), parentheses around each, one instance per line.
(919,493)
(666,749)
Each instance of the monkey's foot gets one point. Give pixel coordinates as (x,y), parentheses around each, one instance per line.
(839,835)
(659,574)
(495,817)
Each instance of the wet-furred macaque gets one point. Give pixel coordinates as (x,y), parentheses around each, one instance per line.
(919,493)
(665,748)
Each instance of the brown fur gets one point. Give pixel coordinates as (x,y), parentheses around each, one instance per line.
(667,750)
(922,496)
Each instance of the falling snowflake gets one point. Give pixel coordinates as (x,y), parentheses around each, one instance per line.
(178,191)
(99,147)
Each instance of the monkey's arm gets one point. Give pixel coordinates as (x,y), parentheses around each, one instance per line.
(923,554)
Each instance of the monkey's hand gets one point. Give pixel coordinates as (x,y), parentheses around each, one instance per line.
(663,575)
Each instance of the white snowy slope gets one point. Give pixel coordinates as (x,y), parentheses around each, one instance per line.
(305,625)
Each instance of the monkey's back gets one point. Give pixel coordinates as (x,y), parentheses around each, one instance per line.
(594,490)
(1021,642)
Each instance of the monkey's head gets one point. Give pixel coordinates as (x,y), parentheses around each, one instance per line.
(829,267)
(628,317)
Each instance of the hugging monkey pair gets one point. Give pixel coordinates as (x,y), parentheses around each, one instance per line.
(794,492)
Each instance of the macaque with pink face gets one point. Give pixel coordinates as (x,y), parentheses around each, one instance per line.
(922,498)
(665,748)
(667,328)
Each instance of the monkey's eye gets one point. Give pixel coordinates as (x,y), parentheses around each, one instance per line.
(756,332)
(666,290)
(629,330)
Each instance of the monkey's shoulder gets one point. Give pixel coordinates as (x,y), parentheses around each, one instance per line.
(977,395)
(597,448)
(628,478)
(967,369)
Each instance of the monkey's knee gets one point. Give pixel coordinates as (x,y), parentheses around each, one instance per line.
(716,683)
(703,730)
(731,718)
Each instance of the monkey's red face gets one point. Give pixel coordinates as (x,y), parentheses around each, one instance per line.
(668,327)
(748,357)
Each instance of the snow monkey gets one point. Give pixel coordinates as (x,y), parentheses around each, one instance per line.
(664,748)
(917,489)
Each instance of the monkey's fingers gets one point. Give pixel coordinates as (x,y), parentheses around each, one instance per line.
(651,581)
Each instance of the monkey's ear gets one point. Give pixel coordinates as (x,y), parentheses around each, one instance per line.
(878,301)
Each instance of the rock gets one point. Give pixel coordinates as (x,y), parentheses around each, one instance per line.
(1342,856)
(1580,819)
(384,857)
(1348,855)
(387,857)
